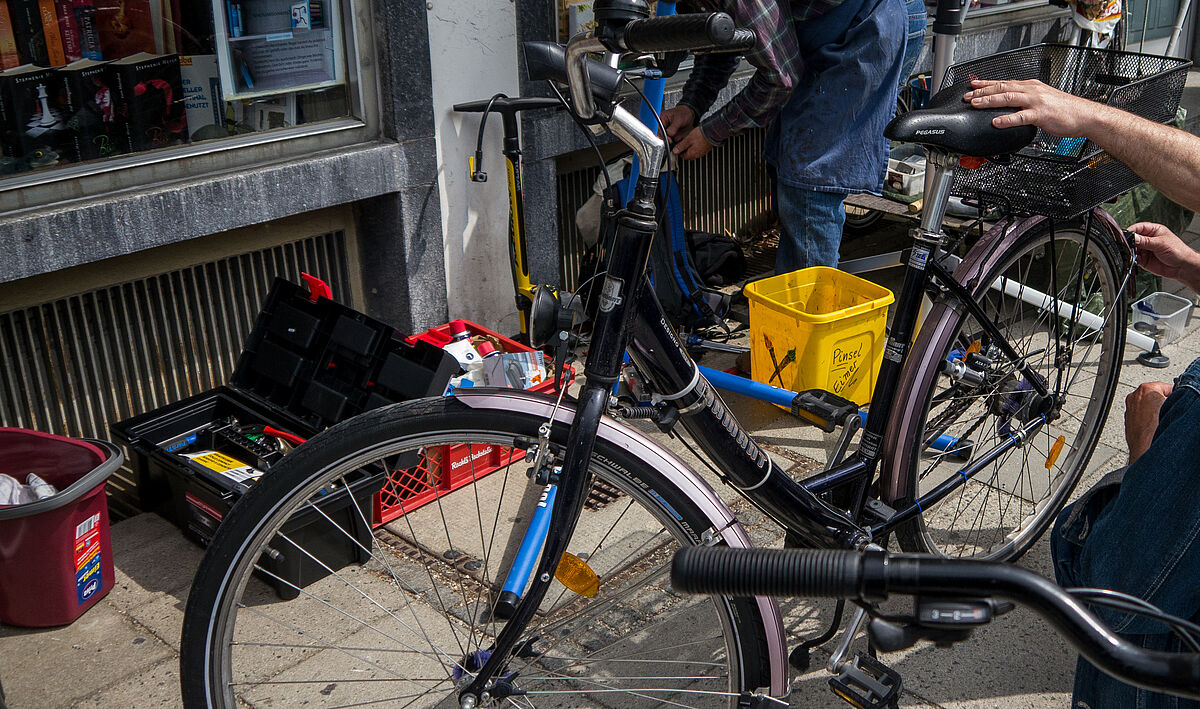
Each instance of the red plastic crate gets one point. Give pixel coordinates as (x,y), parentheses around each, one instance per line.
(446,468)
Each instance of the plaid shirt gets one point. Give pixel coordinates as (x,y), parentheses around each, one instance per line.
(775,57)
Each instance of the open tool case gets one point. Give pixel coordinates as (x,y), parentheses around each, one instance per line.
(308,363)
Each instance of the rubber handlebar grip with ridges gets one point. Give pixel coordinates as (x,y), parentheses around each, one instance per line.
(767,572)
(693,31)
(743,41)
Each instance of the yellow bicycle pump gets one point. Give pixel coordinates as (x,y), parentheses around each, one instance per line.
(508,108)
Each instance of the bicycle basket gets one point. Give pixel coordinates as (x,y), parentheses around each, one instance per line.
(1064,177)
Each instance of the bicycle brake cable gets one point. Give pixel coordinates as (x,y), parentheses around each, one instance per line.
(1187,630)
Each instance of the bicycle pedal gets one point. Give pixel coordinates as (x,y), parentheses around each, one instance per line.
(867,683)
(823,408)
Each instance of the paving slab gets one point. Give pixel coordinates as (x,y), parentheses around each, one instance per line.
(156,686)
(55,667)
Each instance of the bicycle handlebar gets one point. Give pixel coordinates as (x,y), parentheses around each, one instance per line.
(695,32)
(689,32)
(873,575)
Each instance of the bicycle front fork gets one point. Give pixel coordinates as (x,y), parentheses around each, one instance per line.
(618,296)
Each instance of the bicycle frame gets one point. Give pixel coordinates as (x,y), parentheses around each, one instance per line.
(630,319)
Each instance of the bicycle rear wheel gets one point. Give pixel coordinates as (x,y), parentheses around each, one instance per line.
(411,625)
(1006,506)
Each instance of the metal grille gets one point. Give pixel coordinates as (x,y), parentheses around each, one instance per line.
(74,365)
(721,192)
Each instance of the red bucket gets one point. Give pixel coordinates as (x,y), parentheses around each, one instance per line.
(55,553)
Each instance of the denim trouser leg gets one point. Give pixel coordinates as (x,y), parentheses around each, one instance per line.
(1142,538)
(915,41)
(811,227)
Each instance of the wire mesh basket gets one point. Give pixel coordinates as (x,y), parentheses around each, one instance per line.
(1064,177)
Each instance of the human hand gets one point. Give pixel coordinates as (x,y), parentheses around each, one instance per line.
(1162,253)
(1141,416)
(1053,111)
(694,145)
(678,121)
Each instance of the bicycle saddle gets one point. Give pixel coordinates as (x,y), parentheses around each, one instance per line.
(548,60)
(951,124)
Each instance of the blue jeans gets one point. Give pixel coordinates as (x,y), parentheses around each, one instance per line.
(811,227)
(1139,532)
(915,42)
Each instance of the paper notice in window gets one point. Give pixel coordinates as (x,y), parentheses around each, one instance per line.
(301,59)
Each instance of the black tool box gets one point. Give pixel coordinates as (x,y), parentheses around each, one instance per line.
(309,363)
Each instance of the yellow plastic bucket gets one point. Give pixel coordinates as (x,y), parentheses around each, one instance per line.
(818,328)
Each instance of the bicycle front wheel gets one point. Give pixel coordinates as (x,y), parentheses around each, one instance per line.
(1028,290)
(412,625)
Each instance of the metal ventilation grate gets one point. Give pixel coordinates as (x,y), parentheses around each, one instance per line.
(721,192)
(74,365)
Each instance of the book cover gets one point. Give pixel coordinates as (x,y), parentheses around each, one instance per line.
(33,118)
(27,26)
(54,43)
(9,58)
(89,33)
(126,27)
(150,96)
(202,98)
(93,126)
(68,27)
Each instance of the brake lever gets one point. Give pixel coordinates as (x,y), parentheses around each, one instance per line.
(940,621)
(890,636)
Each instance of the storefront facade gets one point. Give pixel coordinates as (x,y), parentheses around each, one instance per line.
(131,278)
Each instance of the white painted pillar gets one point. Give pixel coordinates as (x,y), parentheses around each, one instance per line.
(473,52)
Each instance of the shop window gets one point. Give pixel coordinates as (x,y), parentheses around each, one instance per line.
(92,81)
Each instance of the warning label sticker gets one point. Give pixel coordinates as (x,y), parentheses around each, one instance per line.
(88,580)
(231,468)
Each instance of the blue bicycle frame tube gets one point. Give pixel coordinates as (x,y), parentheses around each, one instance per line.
(527,555)
(783,397)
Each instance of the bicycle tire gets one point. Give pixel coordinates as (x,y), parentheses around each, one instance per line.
(634,611)
(860,220)
(1030,484)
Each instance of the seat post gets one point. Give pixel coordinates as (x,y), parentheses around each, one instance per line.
(940,178)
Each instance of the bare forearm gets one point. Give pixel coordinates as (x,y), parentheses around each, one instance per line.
(1166,157)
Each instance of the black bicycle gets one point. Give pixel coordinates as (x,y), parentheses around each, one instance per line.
(978,430)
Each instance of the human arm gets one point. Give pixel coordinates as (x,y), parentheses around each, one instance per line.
(1144,541)
(680,124)
(1166,157)
(1141,416)
(1162,253)
(776,59)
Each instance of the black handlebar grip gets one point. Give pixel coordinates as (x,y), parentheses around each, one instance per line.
(743,41)
(768,572)
(691,32)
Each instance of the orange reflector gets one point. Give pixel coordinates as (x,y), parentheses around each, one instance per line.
(575,574)
(971,163)
(1054,451)
(976,346)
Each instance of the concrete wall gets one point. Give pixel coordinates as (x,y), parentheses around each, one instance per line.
(473,53)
